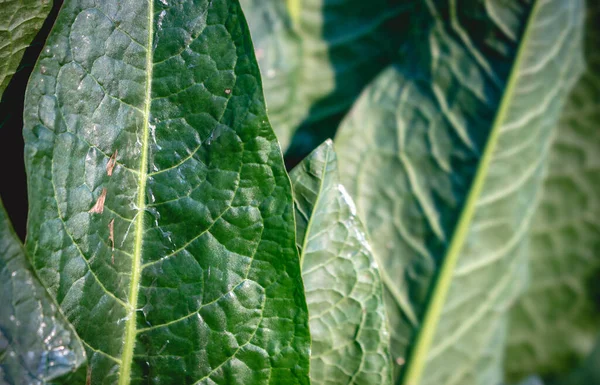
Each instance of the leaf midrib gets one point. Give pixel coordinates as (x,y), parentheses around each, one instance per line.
(424,339)
(131,323)
(317,200)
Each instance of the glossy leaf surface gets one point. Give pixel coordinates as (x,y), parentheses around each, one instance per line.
(350,340)
(37,344)
(553,326)
(161,212)
(444,154)
(316,56)
(20,21)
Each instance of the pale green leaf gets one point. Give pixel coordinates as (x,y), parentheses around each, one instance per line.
(350,340)
(553,326)
(444,154)
(20,21)
(161,215)
(316,56)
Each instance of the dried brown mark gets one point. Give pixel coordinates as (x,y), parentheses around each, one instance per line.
(400,361)
(88,378)
(112,162)
(99,206)
(227,91)
(111,238)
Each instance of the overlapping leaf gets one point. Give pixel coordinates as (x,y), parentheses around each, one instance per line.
(160,210)
(37,344)
(316,56)
(444,154)
(350,340)
(554,324)
(20,21)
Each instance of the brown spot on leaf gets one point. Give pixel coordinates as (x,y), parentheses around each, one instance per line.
(99,206)
(112,162)
(88,377)
(227,91)
(111,238)
(400,361)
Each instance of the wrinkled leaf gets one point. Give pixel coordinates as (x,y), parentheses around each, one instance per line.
(553,326)
(316,56)
(160,210)
(20,21)
(350,340)
(37,344)
(444,154)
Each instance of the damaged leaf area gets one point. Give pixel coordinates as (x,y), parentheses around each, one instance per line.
(161,212)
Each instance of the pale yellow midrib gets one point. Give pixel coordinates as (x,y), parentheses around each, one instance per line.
(130,325)
(294,8)
(424,339)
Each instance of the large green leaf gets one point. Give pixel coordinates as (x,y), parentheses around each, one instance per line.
(20,21)
(316,56)
(350,340)
(161,214)
(37,344)
(444,154)
(555,323)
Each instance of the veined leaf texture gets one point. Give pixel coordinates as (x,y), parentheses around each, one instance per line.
(161,212)
(463,121)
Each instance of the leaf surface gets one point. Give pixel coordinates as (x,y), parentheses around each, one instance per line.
(20,21)
(316,56)
(350,340)
(161,215)
(37,344)
(444,153)
(554,325)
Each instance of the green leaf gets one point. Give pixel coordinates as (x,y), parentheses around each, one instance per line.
(37,344)
(316,56)
(161,215)
(553,326)
(586,374)
(444,154)
(20,21)
(350,340)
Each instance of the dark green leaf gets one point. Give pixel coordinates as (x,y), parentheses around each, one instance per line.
(37,344)
(161,214)
(588,373)
(316,56)
(553,326)
(20,21)
(350,340)
(445,154)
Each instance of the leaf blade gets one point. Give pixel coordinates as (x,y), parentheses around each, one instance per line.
(434,123)
(37,344)
(197,197)
(555,323)
(344,294)
(20,22)
(315,57)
